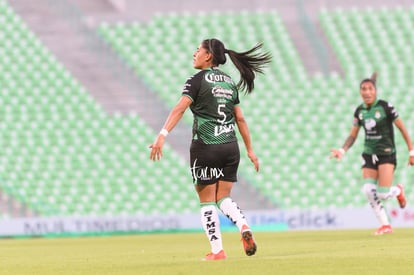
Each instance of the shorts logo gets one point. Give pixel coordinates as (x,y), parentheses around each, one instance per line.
(206,173)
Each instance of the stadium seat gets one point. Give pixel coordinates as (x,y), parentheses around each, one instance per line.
(64,155)
(279,125)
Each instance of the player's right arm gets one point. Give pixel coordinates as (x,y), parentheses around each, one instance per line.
(339,153)
(245,133)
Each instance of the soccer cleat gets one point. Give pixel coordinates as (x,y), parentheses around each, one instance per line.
(385,229)
(214,257)
(401,197)
(248,242)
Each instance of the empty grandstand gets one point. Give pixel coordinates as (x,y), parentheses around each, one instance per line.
(85,87)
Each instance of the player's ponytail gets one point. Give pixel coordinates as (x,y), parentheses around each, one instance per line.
(372,79)
(247,63)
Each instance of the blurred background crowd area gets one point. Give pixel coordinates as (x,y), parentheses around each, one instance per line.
(85,86)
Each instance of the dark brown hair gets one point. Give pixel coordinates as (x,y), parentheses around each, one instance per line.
(372,79)
(247,63)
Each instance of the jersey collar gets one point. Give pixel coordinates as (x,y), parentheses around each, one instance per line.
(373,104)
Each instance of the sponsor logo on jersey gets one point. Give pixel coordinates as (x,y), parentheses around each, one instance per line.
(369,124)
(213,78)
(372,133)
(219,91)
(186,88)
(223,129)
(374,137)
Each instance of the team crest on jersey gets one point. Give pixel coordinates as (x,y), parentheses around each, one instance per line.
(377,115)
(360,116)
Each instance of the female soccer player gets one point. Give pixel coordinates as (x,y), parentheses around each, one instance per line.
(213,98)
(377,117)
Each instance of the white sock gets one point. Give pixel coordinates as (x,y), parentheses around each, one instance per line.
(385,193)
(211,225)
(231,210)
(370,190)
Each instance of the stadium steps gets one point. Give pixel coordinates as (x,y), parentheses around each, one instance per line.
(290,162)
(294,113)
(63,155)
(109,81)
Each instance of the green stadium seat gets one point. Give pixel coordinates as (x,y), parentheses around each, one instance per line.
(102,167)
(63,151)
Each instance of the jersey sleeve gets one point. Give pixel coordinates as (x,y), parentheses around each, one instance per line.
(391,111)
(192,86)
(236,100)
(356,121)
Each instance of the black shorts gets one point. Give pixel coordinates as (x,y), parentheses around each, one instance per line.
(212,162)
(372,161)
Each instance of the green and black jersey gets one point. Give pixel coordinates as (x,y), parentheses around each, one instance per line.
(214,96)
(377,121)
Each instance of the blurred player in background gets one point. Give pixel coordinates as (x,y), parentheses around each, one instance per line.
(213,97)
(379,160)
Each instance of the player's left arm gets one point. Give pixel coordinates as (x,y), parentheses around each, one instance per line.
(245,133)
(174,117)
(400,125)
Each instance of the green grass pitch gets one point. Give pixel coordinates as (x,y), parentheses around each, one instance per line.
(293,252)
